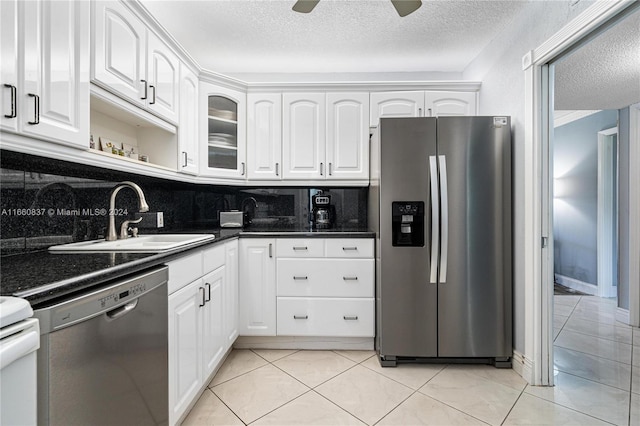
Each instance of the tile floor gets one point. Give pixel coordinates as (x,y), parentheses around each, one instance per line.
(597,382)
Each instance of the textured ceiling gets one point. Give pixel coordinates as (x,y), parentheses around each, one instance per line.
(245,38)
(603,74)
(339,36)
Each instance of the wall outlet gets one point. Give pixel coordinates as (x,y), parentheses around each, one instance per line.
(150,220)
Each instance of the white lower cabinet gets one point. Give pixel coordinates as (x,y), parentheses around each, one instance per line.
(325,316)
(200,321)
(257,287)
(185,340)
(325,287)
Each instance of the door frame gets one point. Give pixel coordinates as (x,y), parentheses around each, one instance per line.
(607,208)
(538,253)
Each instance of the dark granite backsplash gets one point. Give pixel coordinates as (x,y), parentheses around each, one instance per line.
(45,202)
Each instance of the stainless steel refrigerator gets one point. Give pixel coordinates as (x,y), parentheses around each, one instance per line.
(440,203)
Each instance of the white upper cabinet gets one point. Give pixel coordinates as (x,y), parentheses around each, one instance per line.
(162,75)
(347,136)
(421,104)
(303,136)
(132,62)
(396,104)
(9,65)
(45,63)
(441,104)
(119,51)
(223,135)
(188,128)
(264,136)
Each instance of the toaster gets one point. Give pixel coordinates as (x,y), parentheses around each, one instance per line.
(232,219)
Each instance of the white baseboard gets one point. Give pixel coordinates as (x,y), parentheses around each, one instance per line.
(284,342)
(523,366)
(577,284)
(622,315)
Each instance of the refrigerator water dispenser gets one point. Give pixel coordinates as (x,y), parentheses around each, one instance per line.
(407,223)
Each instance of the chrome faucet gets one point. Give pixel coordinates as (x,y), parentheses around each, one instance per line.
(142,207)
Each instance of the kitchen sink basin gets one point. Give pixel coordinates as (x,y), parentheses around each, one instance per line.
(156,243)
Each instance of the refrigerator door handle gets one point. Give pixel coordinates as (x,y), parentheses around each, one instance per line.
(445,218)
(435,220)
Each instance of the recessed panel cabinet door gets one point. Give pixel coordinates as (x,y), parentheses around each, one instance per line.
(185,334)
(162,73)
(213,338)
(347,136)
(188,129)
(54,97)
(119,49)
(257,287)
(396,104)
(9,64)
(443,104)
(303,136)
(231,292)
(264,135)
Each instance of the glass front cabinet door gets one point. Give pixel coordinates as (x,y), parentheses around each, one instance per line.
(224,132)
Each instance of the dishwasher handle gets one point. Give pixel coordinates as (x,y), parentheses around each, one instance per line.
(123,310)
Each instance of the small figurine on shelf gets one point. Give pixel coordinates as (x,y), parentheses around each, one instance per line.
(92,144)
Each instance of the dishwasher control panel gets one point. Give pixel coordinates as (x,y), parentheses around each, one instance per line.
(102,301)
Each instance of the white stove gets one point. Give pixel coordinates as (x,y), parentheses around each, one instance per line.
(19,342)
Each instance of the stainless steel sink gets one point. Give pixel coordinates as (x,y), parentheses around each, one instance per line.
(157,243)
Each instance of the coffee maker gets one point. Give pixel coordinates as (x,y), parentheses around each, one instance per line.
(323,215)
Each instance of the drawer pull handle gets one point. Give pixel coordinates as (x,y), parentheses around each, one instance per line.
(300,278)
(300,248)
(350,248)
(300,316)
(350,317)
(350,278)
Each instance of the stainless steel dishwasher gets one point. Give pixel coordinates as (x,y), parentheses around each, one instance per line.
(103,355)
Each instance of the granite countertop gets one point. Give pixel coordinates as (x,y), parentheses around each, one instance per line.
(41,277)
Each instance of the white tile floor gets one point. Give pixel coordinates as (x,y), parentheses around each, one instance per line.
(597,382)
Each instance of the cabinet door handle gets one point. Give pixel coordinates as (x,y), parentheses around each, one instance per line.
(349,248)
(300,278)
(36,119)
(145,89)
(208,299)
(184,156)
(270,252)
(301,317)
(201,290)
(244,169)
(350,278)
(299,248)
(321,169)
(13,101)
(330,169)
(154,95)
(277,169)
(350,317)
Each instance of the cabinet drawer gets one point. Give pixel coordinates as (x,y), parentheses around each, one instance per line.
(349,247)
(325,277)
(184,271)
(300,247)
(213,258)
(299,316)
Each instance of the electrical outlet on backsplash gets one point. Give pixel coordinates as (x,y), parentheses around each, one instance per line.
(46,202)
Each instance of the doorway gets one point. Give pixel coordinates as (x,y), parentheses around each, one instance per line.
(538,68)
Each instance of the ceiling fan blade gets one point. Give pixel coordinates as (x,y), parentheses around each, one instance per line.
(405,7)
(305,6)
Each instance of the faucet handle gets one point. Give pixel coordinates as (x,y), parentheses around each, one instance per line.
(124,228)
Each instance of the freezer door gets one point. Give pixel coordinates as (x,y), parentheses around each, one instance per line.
(474,293)
(407,310)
